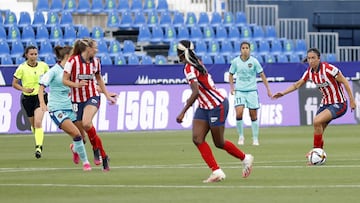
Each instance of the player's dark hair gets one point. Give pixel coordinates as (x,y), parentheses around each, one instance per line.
(186,48)
(60,51)
(314,50)
(27,49)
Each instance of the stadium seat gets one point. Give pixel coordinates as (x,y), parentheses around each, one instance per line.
(221,33)
(172,51)
(216,19)
(97,33)
(113,20)
(162,6)
(114,48)
(19,60)
(123,5)
(258,33)
(24,19)
(219,59)
(52,19)
(170,34)
(258,57)
(6,60)
(206,59)
(139,20)
(128,47)
(201,48)
(82,32)
(234,34)
(152,19)
(17,49)
(253,47)
(70,5)
(56,5)
(269,58)
(102,47)
(146,60)
(110,5)
(245,33)
(208,33)
(240,19)
(45,48)
(42,33)
(106,59)
(27,33)
(228,20)
(183,33)
(126,21)
(191,19)
(276,47)
(165,19)
(42,5)
(3,34)
(214,48)
(50,59)
(31,42)
(270,32)
(300,47)
(55,34)
(13,33)
(133,59)
(203,19)
(160,60)
(69,35)
(237,45)
(294,58)
(157,35)
(264,47)
(97,6)
(38,19)
(119,60)
(288,47)
(282,58)
(66,19)
(149,6)
(83,6)
(331,58)
(4,48)
(10,19)
(136,6)
(195,33)
(178,19)
(60,42)
(144,35)
(226,48)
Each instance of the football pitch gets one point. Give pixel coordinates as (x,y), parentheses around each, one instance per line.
(165,166)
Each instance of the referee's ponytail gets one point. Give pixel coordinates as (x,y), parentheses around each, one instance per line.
(185,51)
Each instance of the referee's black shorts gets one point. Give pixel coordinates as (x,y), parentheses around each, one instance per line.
(30,103)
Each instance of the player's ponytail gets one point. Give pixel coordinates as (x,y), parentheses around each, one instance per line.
(185,49)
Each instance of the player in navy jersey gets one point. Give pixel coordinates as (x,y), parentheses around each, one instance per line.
(329,80)
(210,115)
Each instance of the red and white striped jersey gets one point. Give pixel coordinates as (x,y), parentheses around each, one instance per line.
(325,80)
(80,70)
(209,96)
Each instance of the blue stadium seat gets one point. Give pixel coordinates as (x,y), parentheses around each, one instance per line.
(119,60)
(216,19)
(97,6)
(4,48)
(226,48)
(269,58)
(240,19)
(82,32)
(56,34)
(253,47)
(66,19)
(208,33)
(264,48)
(160,60)
(6,60)
(10,19)
(113,20)
(83,6)
(294,58)
(19,60)
(203,19)
(195,33)
(102,47)
(42,33)
(228,20)
(206,59)
(110,5)
(270,32)
(183,33)
(69,34)
(52,19)
(258,57)
(170,34)
(133,59)
(221,33)
(300,47)
(219,59)
(3,34)
(50,59)
(276,47)
(201,48)
(106,59)
(139,20)
(191,19)
(136,6)
(114,48)
(165,19)
(162,6)
(234,34)
(24,19)
(97,33)
(152,19)
(331,58)
(149,6)
(128,47)
(60,42)
(56,5)
(144,35)
(289,47)
(126,21)
(45,48)
(13,33)
(70,5)
(282,58)
(245,33)
(42,5)
(258,33)
(146,60)
(38,19)
(124,5)
(213,48)
(178,19)
(157,35)
(237,45)
(17,49)
(27,33)
(31,42)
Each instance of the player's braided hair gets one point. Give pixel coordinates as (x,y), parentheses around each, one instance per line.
(186,48)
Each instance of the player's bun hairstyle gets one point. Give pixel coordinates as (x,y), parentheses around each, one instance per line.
(314,50)
(185,48)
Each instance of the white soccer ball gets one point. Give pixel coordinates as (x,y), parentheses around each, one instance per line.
(317,156)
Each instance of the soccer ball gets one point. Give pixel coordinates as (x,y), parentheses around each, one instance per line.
(316,156)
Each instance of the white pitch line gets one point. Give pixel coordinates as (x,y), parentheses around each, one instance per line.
(217,186)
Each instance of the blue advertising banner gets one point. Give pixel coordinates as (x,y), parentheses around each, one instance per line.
(173,74)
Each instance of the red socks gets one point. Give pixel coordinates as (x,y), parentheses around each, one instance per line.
(96,141)
(230,148)
(207,155)
(318,141)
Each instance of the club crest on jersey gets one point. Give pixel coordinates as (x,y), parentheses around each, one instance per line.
(250,65)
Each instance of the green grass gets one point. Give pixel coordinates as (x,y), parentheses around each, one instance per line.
(166,167)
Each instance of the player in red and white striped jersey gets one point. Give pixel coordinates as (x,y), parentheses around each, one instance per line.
(82,74)
(210,115)
(329,80)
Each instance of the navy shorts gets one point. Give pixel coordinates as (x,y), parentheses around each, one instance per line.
(216,116)
(337,110)
(79,107)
